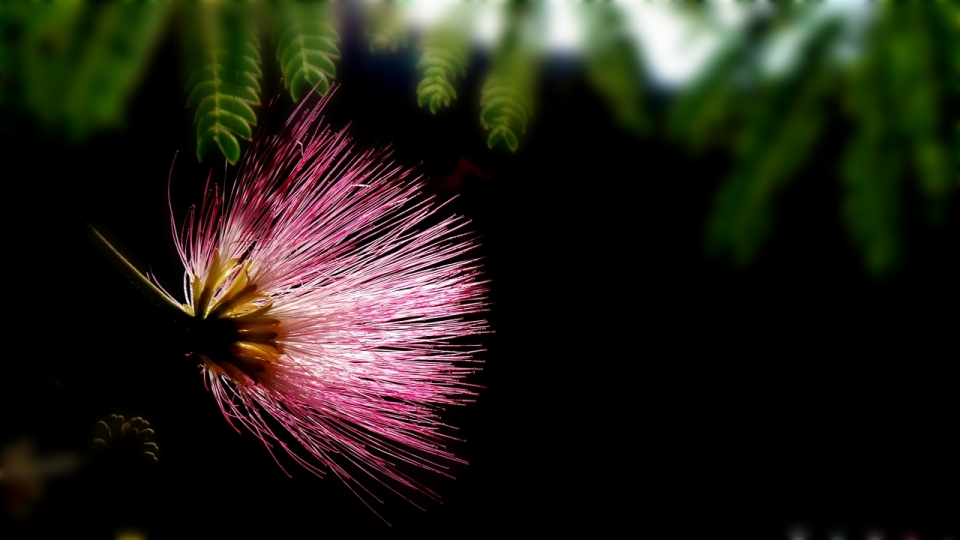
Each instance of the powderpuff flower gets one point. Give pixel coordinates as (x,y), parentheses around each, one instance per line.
(329,301)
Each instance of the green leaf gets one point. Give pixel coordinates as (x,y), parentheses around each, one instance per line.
(203,145)
(312,77)
(436,85)
(503,110)
(871,205)
(386,27)
(230,105)
(224,77)
(492,139)
(614,67)
(222,120)
(307,48)
(221,129)
(321,44)
(503,134)
(228,60)
(228,145)
(443,58)
(217,87)
(209,73)
(784,120)
(450,61)
(301,28)
(306,60)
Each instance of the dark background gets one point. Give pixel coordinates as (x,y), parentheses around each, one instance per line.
(633,384)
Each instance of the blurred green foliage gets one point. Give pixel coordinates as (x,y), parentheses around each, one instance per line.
(895,94)
(781,121)
(895,89)
(893,77)
(444,54)
(709,107)
(508,94)
(79,65)
(614,66)
(306,38)
(386,27)
(506,100)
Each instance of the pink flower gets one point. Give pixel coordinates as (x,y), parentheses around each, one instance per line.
(326,295)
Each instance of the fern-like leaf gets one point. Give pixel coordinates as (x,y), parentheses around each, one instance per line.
(919,61)
(223,79)
(307,38)
(506,101)
(506,98)
(774,145)
(386,27)
(896,97)
(443,58)
(871,206)
(711,107)
(613,65)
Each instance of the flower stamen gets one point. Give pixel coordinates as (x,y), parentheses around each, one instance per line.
(235,335)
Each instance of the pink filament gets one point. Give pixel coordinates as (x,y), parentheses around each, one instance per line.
(373,303)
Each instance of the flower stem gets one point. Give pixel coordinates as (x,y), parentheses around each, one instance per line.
(147,287)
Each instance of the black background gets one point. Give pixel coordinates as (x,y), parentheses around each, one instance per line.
(633,383)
